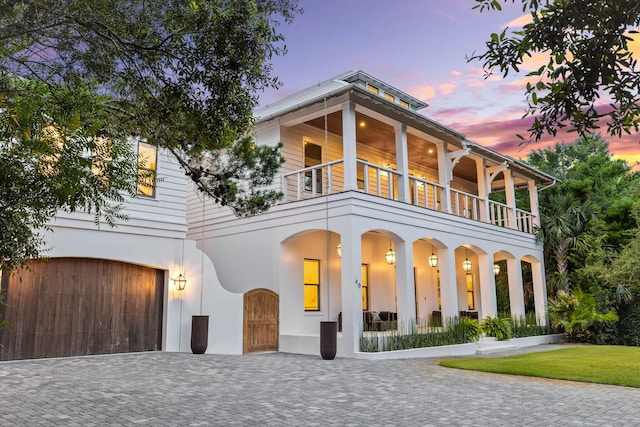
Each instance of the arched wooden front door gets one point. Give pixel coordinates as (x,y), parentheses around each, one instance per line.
(261,315)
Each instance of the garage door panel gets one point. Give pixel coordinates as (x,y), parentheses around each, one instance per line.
(70,306)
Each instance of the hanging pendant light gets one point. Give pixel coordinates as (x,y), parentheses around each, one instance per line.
(339,249)
(466,264)
(496,269)
(433,258)
(390,255)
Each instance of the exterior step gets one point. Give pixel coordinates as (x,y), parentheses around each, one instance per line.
(488,345)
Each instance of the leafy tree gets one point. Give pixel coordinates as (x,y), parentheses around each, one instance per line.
(49,162)
(184,75)
(591,178)
(575,313)
(587,43)
(563,227)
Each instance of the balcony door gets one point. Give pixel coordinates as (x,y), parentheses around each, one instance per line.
(312,157)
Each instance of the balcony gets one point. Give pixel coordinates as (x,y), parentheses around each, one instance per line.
(328,178)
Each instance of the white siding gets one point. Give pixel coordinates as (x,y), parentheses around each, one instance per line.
(163,215)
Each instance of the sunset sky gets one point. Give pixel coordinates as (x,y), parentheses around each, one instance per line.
(420,47)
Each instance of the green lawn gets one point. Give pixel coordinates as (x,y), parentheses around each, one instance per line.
(605,364)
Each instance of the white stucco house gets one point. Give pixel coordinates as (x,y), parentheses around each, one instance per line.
(388,218)
(368,178)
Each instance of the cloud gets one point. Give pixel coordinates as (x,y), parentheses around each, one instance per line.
(455,73)
(447,88)
(519,22)
(424,91)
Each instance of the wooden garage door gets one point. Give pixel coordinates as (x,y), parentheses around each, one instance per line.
(260,321)
(71,306)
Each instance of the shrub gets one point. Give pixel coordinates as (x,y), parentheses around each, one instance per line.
(629,325)
(528,326)
(499,327)
(575,313)
(469,328)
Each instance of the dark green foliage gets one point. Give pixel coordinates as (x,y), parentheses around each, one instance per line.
(467,327)
(455,331)
(587,43)
(184,75)
(499,327)
(575,313)
(528,326)
(629,324)
(50,162)
(597,189)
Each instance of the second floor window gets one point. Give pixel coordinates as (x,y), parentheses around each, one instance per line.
(147,158)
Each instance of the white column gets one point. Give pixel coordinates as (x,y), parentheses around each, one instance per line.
(539,291)
(488,301)
(516,288)
(443,177)
(533,202)
(448,284)
(349,146)
(483,190)
(511,198)
(405,283)
(351,278)
(402,163)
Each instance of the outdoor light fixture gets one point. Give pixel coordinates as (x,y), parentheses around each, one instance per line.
(390,255)
(496,269)
(433,258)
(180,282)
(339,249)
(466,264)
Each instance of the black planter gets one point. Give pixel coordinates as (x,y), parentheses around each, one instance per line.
(328,339)
(199,334)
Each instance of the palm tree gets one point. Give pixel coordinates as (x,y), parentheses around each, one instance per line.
(563,229)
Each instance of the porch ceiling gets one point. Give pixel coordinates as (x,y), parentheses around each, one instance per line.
(381,136)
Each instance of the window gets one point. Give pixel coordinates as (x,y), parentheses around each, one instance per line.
(405,104)
(470,297)
(311,285)
(147,157)
(54,138)
(365,287)
(101,158)
(312,157)
(439,295)
(372,89)
(389,97)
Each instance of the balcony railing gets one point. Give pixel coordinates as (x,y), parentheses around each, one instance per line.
(466,205)
(328,178)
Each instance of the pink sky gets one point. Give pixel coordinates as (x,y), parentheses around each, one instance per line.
(420,47)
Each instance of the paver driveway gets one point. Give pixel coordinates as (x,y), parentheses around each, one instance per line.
(170,389)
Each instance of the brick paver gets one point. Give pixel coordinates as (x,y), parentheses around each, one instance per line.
(276,389)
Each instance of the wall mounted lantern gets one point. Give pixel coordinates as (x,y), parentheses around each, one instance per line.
(180,282)
(339,249)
